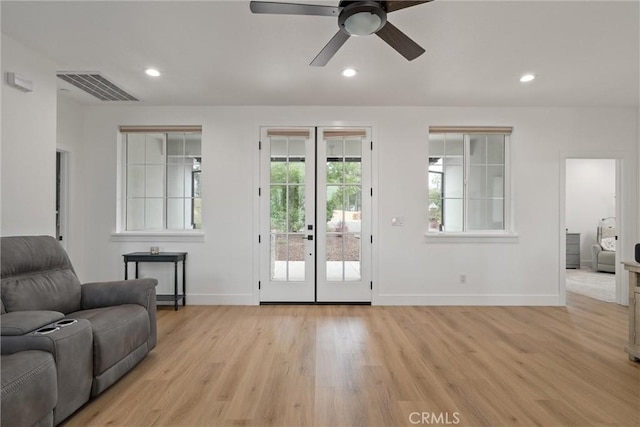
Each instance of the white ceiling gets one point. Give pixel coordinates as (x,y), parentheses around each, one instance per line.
(584,53)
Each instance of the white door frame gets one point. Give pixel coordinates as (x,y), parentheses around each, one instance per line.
(355,290)
(64,196)
(374,273)
(302,287)
(622,283)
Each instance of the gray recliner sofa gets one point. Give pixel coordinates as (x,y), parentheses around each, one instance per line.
(96,332)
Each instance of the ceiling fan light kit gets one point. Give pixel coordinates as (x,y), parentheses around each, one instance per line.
(362,18)
(355,18)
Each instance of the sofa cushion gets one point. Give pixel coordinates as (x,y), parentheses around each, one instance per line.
(37,275)
(117,331)
(29,389)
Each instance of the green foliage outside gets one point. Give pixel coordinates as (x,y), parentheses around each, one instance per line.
(338,173)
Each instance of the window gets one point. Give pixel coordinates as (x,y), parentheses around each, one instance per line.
(161,179)
(468,180)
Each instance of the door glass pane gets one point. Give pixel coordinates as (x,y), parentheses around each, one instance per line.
(287,208)
(279,256)
(343,257)
(352,250)
(352,171)
(278,170)
(296,171)
(296,208)
(335,257)
(296,257)
(344,209)
(335,172)
(353,209)
(335,208)
(278,203)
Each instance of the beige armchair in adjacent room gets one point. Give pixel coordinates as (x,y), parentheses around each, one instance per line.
(604,250)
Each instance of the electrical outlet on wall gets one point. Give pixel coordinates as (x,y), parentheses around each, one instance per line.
(462,279)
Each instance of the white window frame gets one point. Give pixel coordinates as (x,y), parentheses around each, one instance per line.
(157,235)
(505,235)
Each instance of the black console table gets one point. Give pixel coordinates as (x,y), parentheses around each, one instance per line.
(175,258)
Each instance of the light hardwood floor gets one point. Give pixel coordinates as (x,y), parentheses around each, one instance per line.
(380,366)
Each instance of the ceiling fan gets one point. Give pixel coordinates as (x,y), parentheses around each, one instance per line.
(355,18)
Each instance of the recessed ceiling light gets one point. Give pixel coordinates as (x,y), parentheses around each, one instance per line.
(349,72)
(152,72)
(527,78)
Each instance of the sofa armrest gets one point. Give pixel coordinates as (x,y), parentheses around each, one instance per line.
(137,291)
(23,322)
(595,250)
(106,294)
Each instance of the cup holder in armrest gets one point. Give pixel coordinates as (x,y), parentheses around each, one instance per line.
(66,322)
(47,330)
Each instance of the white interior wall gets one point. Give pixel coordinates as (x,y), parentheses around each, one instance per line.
(409,270)
(221,269)
(28,143)
(590,197)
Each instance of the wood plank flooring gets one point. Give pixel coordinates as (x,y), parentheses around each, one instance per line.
(380,366)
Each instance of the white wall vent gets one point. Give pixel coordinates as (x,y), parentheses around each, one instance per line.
(94,84)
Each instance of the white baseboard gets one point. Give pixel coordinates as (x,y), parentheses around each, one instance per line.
(487,300)
(220,299)
(420,300)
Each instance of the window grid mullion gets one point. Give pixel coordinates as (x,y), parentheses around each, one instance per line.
(465,182)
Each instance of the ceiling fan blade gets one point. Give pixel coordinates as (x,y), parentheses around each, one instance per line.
(391,6)
(293,9)
(400,41)
(330,49)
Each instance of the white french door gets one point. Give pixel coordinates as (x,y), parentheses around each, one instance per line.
(315,215)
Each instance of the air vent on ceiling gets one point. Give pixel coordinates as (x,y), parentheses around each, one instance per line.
(96,85)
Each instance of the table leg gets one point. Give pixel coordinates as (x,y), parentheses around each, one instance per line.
(126,270)
(184,282)
(175,286)
(136,269)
